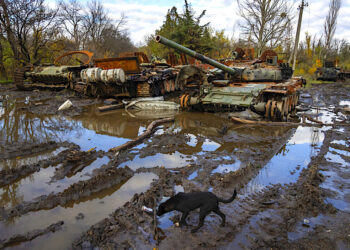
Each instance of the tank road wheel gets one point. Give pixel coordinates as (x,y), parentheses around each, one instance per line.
(282,111)
(279,110)
(172,85)
(71,80)
(285,109)
(162,87)
(296,99)
(268,108)
(289,103)
(167,86)
(273,109)
(184,100)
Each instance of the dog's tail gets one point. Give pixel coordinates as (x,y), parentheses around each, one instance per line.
(229,200)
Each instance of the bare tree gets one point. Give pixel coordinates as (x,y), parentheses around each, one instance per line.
(331,22)
(96,20)
(29,26)
(72,17)
(265,21)
(104,36)
(5,19)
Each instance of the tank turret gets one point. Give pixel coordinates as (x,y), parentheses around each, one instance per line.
(256,71)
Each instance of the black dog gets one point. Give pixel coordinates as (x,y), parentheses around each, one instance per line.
(185,203)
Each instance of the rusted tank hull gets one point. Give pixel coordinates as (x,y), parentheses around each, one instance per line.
(103,78)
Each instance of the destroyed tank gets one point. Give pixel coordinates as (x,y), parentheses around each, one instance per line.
(130,75)
(51,76)
(264,87)
(329,72)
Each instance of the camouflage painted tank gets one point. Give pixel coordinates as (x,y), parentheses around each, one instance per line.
(264,87)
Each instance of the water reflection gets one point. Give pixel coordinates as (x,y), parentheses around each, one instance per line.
(94,209)
(19,125)
(290,160)
(37,184)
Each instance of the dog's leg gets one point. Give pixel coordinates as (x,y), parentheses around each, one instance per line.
(222,215)
(202,214)
(183,219)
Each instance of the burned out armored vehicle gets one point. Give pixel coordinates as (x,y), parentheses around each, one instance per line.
(129,75)
(330,72)
(264,87)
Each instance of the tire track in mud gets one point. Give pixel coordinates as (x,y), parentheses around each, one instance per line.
(20,238)
(11,175)
(20,149)
(129,226)
(74,162)
(270,227)
(265,217)
(105,178)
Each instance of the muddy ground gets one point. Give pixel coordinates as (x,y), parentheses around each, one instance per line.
(292,181)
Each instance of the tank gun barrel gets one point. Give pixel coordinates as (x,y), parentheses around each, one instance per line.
(187,51)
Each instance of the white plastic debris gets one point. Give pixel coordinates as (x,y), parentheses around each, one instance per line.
(67,104)
(147,209)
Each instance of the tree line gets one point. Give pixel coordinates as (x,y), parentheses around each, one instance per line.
(32,32)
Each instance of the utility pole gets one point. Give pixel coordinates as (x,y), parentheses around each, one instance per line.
(301,9)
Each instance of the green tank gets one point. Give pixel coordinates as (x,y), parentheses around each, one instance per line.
(329,72)
(263,87)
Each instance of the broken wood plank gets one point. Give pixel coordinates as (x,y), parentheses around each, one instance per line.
(244,121)
(148,132)
(110,107)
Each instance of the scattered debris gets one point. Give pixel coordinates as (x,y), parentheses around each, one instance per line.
(66,105)
(149,103)
(147,209)
(110,107)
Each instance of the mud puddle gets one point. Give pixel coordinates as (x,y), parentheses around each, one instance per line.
(39,183)
(204,151)
(26,160)
(77,217)
(286,166)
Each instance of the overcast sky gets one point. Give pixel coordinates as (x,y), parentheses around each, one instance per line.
(145,16)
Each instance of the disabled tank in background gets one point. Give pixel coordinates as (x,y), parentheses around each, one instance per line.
(330,72)
(261,86)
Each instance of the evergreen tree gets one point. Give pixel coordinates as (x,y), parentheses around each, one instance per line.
(185,29)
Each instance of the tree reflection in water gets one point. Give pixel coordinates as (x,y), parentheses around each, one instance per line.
(18,126)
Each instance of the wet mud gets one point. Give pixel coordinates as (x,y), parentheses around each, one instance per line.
(292,181)
(9,175)
(80,190)
(16,239)
(74,162)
